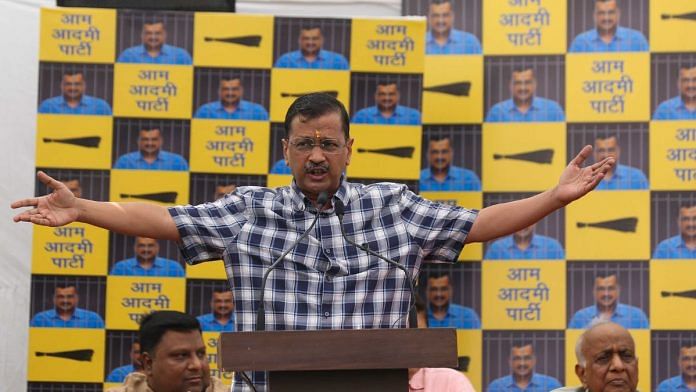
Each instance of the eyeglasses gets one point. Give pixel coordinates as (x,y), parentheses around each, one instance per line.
(305,145)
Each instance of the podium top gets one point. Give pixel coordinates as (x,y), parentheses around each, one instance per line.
(337,349)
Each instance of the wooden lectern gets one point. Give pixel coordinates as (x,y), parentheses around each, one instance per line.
(338,360)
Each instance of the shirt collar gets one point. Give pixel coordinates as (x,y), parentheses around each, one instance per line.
(532,243)
(451,38)
(82,101)
(619,35)
(533,106)
(164,50)
(618,312)
(74,316)
(534,381)
(140,156)
(300,202)
(449,175)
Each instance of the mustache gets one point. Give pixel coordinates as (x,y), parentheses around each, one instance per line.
(309,166)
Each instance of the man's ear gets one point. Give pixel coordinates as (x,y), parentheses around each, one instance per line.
(349,146)
(146,359)
(580,371)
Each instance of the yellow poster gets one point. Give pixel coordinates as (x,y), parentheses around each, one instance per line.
(453,90)
(75,249)
(155,186)
(395,150)
(672,291)
(153,91)
(220,146)
(388,45)
(78,35)
(288,84)
(208,270)
(470,200)
(66,354)
(671,22)
(278,180)
(233,40)
(211,346)
(83,142)
(129,299)
(469,352)
(673,155)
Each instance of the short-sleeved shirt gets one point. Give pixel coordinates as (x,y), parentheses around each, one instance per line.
(624,177)
(210,323)
(674,384)
(674,109)
(168,55)
(457,179)
(165,161)
(458,316)
(81,318)
(281,167)
(325,60)
(539,383)
(458,42)
(88,106)
(402,115)
(119,374)
(626,316)
(160,267)
(541,110)
(674,248)
(541,247)
(625,40)
(245,111)
(323,282)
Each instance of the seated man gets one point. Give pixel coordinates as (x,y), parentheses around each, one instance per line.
(387,109)
(146,262)
(686,381)
(442,38)
(525,245)
(524,106)
(441,175)
(311,55)
(154,49)
(66,314)
(523,377)
(608,36)
(683,106)
(150,156)
(74,100)
(221,319)
(230,105)
(607,307)
(120,373)
(443,313)
(682,245)
(621,176)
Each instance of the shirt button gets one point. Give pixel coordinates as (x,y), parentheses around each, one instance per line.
(327,314)
(327,251)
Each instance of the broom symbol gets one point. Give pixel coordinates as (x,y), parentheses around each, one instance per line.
(625,225)
(87,141)
(162,197)
(398,152)
(458,89)
(684,294)
(75,355)
(244,40)
(684,16)
(544,156)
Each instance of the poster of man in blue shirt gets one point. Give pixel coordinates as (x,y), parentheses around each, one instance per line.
(682,245)
(73,99)
(65,313)
(524,106)
(523,377)
(441,312)
(621,176)
(525,244)
(150,156)
(119,374)
(221,318)
(146,262)
(607,307)
(441,175)
(311,55)
(442,38)
(154,49)
(686,381)
(683,106)
(608,36)
(231,106)
(387,110)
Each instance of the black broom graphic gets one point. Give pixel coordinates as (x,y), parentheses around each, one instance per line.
(398,152)
(244,40)
(84,355)
(87,141)
(691,294)
(332,93)
(625,225)
(684,16)
(458,89)
(463,363)
(162,197)
(544,156)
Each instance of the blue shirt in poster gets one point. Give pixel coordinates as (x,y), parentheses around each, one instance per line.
(625,40)
(210,324)
(281,167)
(674,109)
(541,247)
(674,248)
(458,316)
(627,316)
(87,106)
(165,161)
(538,383)
(542,110)
(160,267)
(81,318)
(674,384)
(624,177)
(458,179)
(459,42)
(119,374)
(325,60)
(402,116)
(168,55)
(245,111)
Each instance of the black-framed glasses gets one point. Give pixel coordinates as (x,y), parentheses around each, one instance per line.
(307,144)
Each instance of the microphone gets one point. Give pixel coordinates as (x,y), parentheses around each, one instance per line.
(261,313)
(339,208)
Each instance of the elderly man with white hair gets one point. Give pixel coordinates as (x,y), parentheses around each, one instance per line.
(607,360)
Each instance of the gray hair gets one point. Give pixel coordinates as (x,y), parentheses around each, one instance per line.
(579,345)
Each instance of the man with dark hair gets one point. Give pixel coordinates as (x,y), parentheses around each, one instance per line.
(154,49)
(523,377)
(686,381)
(621,176)
(147,262)
(173,357)
(442,38)
(608,36)
(120,373)
(387,109)
(323,283)
(231,106)
(441,175)
(682,245)
(150,155)
(66,314)
(683,106)
(524,106)
(525,244)
(221,318)
(441,311)
(311,55)
(74,100)
(608,307)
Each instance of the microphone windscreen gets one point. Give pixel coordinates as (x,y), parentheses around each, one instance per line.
(339,207)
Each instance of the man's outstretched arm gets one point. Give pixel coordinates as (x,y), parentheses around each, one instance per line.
(506,218)
(61,207)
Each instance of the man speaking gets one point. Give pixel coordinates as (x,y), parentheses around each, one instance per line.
(323,282)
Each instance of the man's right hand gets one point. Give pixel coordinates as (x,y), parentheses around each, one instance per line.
(55,209)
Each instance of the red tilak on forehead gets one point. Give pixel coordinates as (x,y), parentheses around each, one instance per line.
(317,133)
